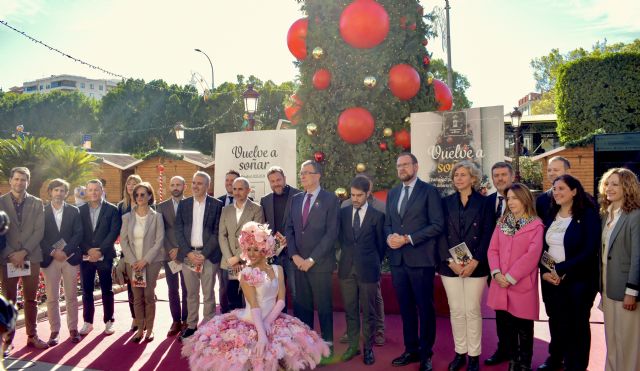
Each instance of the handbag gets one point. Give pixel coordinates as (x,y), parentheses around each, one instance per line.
(119,272)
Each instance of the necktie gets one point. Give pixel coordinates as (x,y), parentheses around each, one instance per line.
(305,209)
(405,201)
(230,200)
(356,222)
(499,208)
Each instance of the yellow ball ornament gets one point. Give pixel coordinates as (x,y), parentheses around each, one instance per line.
(361,168)
(387,132)
(312,129)
(370,82)
(317,52)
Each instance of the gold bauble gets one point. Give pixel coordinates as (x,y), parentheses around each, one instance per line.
(370,82)
(317,52)
(341,193)
(361,168)
(387,132)
(407,120)
(312,129)
(429,78)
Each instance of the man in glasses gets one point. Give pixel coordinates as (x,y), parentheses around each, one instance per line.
(311,233)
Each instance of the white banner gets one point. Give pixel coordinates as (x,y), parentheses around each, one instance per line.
(441,139)
(252,153)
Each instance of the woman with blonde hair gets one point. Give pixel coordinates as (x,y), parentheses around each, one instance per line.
(469,222)
(124,207)
(620,267)
(141,238)
(514,253)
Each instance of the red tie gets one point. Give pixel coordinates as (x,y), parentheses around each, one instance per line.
(305,210)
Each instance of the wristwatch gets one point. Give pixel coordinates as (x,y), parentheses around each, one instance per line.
(450,260)
(311,260)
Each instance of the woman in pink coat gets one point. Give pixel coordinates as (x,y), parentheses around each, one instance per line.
(514,253)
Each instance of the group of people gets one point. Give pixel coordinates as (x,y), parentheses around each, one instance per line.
(507,239)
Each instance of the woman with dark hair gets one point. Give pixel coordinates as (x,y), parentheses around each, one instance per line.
(141,238)
(514,253)
(569,271)
(469,222)
(620,266)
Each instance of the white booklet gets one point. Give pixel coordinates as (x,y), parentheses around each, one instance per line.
(60,244)
(13,271)
(548,261)
(175,266)
(139,278)
(461,254)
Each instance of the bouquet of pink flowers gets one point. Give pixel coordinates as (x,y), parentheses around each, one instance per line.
(257,235)
(253,276)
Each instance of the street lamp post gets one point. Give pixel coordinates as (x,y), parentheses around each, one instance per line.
(516,115)
(251,98)
(179,130)
(211,64)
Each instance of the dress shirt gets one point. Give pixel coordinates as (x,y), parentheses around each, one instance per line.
(314,195)
(175,205)
(239,211)
(198,221)
(411,187)
(94,213)
(57,215)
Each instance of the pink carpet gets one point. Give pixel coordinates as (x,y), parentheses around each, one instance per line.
(117,352)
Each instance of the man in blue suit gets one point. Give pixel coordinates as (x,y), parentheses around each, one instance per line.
(414,220)
(312,230)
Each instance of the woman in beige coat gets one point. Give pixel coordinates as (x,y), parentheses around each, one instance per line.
(141,240)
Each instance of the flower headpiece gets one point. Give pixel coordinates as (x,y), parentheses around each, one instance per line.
(257,235)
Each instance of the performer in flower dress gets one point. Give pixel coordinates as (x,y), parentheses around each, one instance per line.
(260,336)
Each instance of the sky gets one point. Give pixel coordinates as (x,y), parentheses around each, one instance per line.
(492,41)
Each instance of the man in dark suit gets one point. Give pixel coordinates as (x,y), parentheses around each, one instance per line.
(196,231)
(175,281)
(414,220)
(26,215)
(312,230)
(276,207)
(101,224)
(223,276)
(61,257)
(502,177)
(556,166)
(362,244)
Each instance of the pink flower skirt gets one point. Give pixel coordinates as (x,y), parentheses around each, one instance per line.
(227,343)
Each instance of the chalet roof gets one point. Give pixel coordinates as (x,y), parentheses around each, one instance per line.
(194,157)
(122,161)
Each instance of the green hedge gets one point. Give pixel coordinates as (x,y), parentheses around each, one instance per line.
(600,92)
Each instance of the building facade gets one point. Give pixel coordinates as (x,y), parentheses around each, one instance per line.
(93,88)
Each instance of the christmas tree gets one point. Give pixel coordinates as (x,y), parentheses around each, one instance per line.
(364,67)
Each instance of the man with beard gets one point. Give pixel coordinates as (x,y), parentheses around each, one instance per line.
(413,222)
(168,209)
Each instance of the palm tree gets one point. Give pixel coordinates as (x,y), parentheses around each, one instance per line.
(46,159)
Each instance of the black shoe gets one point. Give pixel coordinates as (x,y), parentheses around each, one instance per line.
(368,358)
(474,364)
(187,333)
(498,357)
(426,365)
(514,366)
(406,358)
(350,353)
(458,361)
(551,364)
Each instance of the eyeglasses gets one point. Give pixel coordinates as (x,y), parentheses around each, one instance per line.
(303,173)
(401,166)
(141,195)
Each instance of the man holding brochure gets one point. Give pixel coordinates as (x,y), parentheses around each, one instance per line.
(21,257)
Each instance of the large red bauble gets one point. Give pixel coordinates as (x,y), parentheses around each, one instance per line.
(355,125)
(364,24)
(404,81)
(403,139)
(297,38)
(292,109)
(322,79)
(381,195)
(443,95)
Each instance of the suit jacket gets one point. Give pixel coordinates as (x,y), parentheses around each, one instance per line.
(365,250)
(543,204)
(474,227)
(106,232)
(423,221)
(267,207)
(230,229)
(28,234)
(169,219)
(184,222)
(70,231)
(623,259)
(517,256)
(316,239)
(152,241)
(581,243)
